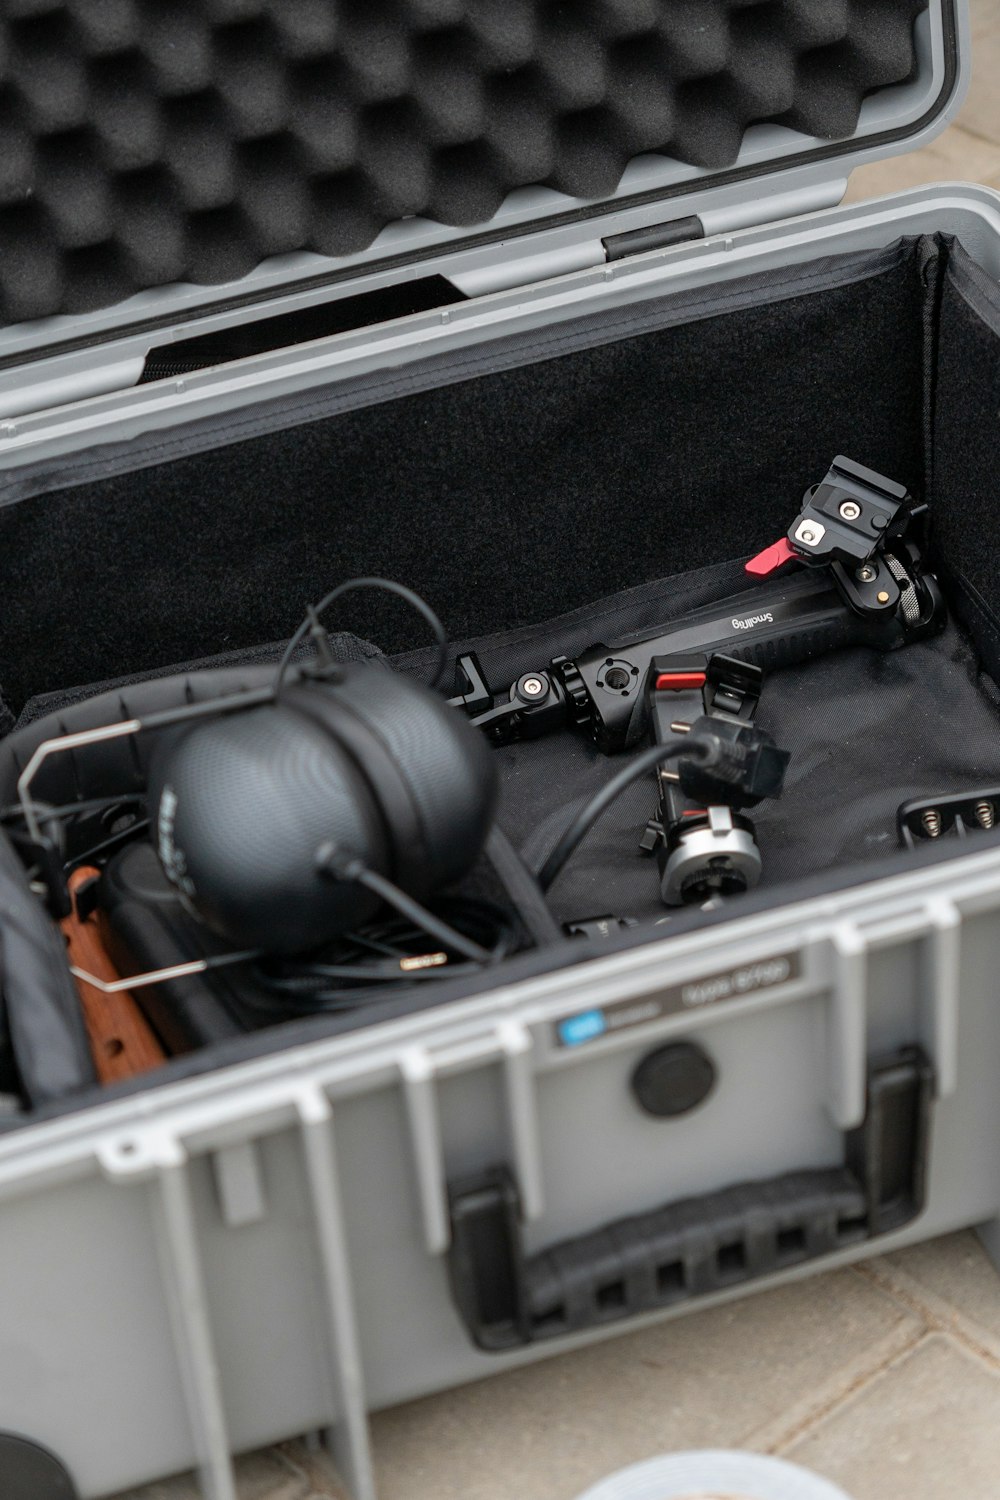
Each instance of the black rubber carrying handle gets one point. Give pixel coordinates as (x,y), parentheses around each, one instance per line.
(699,1245)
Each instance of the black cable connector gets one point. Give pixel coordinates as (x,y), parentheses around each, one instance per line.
(721,762)
(737,766)
(342,865)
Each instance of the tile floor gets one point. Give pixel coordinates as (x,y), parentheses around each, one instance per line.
(885,1378)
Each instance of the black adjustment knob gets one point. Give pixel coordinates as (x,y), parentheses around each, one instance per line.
(673,1079)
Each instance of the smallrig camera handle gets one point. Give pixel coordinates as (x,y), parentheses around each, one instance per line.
(864,585)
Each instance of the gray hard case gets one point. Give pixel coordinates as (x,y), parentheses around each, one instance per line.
(220,1261)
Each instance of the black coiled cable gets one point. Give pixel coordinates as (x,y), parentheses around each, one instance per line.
(391,952)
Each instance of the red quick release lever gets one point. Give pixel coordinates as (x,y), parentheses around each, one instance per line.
(771,559)
(679,682)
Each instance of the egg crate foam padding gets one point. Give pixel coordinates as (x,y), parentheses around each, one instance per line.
(143,144)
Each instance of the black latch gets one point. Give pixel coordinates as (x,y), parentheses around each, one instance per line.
(699,1245)
(888,1153)
(653,237)
(485,1262)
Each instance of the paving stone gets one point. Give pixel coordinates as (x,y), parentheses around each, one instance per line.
(259,1476)
(926,1429)
(952,1274)
(970,150)
(706,1380)
(183,1487)
(981,111)
(312,1459)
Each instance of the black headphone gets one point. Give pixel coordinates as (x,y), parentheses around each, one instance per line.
(283,823)
(256,814)
(284,807)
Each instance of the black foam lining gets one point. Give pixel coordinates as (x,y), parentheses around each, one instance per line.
(143,143)
(965,445)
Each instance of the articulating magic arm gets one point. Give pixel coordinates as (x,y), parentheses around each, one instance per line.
(859,580)
(863,584)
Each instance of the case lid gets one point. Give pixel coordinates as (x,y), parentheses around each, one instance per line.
(165,157)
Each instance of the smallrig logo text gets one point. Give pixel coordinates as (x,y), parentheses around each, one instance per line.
(752,620)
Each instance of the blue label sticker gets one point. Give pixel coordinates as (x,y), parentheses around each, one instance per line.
(707,989)
(582,1028)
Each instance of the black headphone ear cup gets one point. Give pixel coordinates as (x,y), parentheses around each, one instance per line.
(240,805)
(445,765)
(375,764)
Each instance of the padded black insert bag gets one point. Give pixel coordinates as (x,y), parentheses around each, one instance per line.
(668,507)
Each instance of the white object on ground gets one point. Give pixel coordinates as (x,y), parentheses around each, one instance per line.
(714,1475)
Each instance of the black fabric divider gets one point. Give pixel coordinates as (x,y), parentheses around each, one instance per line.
(504,499)
(965,492)
(344,646)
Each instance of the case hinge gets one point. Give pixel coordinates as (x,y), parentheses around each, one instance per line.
(20,396)
(790,204)
(653,237)
(502,275)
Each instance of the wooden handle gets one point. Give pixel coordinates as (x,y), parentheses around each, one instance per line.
(121,1039)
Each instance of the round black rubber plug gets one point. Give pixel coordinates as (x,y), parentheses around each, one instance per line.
(673,1079)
